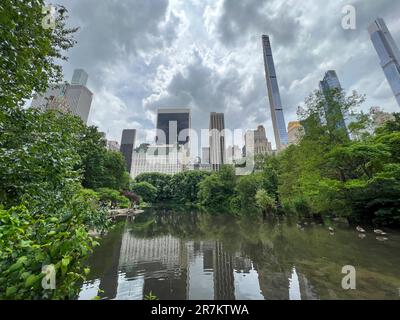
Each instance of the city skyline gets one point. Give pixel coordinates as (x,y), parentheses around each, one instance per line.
(142,77)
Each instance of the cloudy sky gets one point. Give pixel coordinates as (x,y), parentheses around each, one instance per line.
(206,54)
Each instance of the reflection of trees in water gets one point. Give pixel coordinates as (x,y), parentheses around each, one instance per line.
(156,223)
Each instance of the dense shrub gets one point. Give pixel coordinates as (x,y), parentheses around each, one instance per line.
(264,201)
(180,188)
(112,198)
(217,190)
(186,186)
(145,190)
(162,182)
(30,241)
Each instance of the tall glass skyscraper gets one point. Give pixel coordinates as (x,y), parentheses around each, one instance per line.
(333,114)
(278,120)
(388,53)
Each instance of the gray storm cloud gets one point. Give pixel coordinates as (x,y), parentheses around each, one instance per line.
(207,55)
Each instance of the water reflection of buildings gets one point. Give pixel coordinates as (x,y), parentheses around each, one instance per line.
(172,268)
(285,285)
(166,250)
(224,288)
(161,262)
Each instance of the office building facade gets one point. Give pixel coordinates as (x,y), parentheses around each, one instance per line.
(55,98)
(127,146)
(173,126)
(168,159)
(217,140)
(233,154)
(205,155)
(277,116)
(256,142)
(80,100)
(75,97)
(389,54)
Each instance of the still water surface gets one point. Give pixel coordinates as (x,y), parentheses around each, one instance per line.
(199,256)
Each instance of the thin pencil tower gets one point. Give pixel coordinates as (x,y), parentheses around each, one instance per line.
(278,119)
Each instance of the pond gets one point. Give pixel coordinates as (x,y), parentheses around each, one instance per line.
(200,256)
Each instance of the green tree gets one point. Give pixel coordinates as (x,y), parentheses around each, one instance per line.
(45,215)
(306,178)
(268,165)
(115,175)
(101,168)
(264,201)
(186,186)
(38,158)
(217,190)
(145,190)
(112,198)
(358,159)
(29,53)
(161,181)
(246,189)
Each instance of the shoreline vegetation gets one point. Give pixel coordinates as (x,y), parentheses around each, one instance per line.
(58,181)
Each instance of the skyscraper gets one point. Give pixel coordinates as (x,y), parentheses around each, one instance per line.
(127,146)
(54,99)
(205,155)
(79,77)
(233,154)
(75,97)
(79,98)
(256,142)
(175,124)
(333,113)
(388,53)
(217,140)
(278,120)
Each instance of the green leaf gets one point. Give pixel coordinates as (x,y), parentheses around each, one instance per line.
(16,266)
(11,291)
(31,280)
(64,265)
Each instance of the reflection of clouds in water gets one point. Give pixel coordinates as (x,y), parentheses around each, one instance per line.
(246,284)
(294,286)
(199,280)
(130,288)
(89,290)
